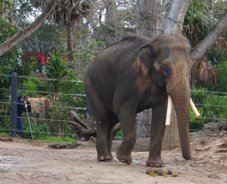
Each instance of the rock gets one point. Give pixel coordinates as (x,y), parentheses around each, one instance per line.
(210,127)
(194,135)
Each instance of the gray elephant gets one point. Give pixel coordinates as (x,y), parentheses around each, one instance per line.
(134,74)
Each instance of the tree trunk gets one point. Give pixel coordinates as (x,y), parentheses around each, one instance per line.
(69,41)
(19,37)
(149,18)
(148,23)
(111,19)
(171,138)
(144,123)
(174,22)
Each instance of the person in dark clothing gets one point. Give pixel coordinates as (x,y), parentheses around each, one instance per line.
(25,100)
(20,108)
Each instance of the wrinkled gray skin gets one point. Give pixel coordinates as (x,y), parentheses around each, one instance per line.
(134,74)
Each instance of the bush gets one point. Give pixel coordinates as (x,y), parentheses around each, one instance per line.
(194,122)
(211,106)
(30,86)
(222,76)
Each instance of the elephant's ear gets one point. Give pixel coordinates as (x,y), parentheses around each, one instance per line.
(144,59)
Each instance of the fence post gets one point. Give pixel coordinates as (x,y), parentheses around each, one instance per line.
(13,104)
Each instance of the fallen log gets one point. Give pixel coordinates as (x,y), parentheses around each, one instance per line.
(84,129)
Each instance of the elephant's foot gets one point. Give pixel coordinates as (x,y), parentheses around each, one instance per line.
(124,158)
(153,163)
(104,157)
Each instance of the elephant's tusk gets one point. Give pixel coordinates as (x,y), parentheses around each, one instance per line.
(196,112)
(168,112)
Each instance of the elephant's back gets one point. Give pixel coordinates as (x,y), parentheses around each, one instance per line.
(118,56)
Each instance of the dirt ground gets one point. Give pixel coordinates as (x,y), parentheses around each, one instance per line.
(25,161)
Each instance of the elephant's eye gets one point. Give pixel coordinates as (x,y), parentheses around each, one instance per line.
(165,68)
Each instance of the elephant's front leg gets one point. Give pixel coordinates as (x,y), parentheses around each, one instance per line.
(157,134)
(126,115)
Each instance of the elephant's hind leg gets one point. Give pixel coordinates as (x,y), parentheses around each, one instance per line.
(100,113)
(102,144)
(112,122)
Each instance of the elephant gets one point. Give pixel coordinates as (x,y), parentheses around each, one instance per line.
(134,74)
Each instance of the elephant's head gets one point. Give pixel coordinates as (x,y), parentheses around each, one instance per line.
(168,61)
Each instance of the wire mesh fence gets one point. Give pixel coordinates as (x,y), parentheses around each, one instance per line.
(50,109)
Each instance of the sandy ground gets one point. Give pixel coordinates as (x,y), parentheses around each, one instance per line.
(24,161)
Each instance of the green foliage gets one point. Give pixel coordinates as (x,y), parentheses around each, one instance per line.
(85,54)
(56,69)
(5,7)
(8,31)
(11,62)
(222,76)
(194,122)
(48,138)
(40,85)
(85,47)
(58,139)
(59,111)
(119,134)
(5,121)
(40,130)
(218,57)
(199,94)
(30,86)
(201,17)
(210,105)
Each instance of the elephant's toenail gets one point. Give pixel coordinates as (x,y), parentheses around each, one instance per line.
(108,158)
(157,165)
(101,158)
(122,161)
(129,162)
(151,165)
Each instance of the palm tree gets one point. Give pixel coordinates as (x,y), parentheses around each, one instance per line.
(67,13)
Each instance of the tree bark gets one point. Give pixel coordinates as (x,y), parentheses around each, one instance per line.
(149,18)
(69,41)
(165,4)
(144,123)
(174,22)
(210,39)
(19,37)
(111,19)
(148,23)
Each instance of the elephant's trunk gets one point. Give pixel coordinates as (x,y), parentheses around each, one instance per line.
(180,94)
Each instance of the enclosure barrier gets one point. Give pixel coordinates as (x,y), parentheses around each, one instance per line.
(13,103)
